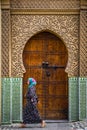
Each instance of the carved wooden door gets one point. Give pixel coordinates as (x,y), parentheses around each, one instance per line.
(45,59)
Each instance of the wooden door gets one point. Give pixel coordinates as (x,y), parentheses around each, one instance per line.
(45,58)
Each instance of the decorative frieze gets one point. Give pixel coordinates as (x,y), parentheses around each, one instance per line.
(5,43)
(83,43)
(45,4)
(25,26)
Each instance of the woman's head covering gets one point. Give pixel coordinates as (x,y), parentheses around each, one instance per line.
(32,82)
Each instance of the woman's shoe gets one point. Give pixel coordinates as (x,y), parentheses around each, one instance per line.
(22,126)
(43,124)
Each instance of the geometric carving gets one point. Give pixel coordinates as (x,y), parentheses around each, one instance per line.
(5,43)
(45,4)
(26,26)
(83,43)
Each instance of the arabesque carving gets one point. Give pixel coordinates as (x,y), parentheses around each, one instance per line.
(5,43)
(83,43)
(25,26)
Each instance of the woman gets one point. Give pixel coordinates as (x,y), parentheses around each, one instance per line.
(31,114)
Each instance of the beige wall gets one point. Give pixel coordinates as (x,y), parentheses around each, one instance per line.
(44,16)
(73,8)
(0,61)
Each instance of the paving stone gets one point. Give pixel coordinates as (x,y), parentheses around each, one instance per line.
(85,128)
(79,128)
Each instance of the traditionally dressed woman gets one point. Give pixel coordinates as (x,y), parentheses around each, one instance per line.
(30,113)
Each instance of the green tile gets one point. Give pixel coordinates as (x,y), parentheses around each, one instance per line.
(11,100)
(6,104)
(73,99)
(16,99)
(82,98)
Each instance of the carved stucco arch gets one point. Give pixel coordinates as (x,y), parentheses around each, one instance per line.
(26,26)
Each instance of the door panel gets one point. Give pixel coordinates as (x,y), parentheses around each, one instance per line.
(52,86)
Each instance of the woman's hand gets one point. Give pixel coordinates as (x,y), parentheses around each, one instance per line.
(32,100)
(28,82)
(38,102)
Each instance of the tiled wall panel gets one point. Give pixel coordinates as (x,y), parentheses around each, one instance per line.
(83,98)
(73,99)
(6,101)
(16,99)
(11,100)
(77,99)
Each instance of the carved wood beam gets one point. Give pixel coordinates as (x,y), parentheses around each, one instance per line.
(83,4)
(5,4)
(45,11)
